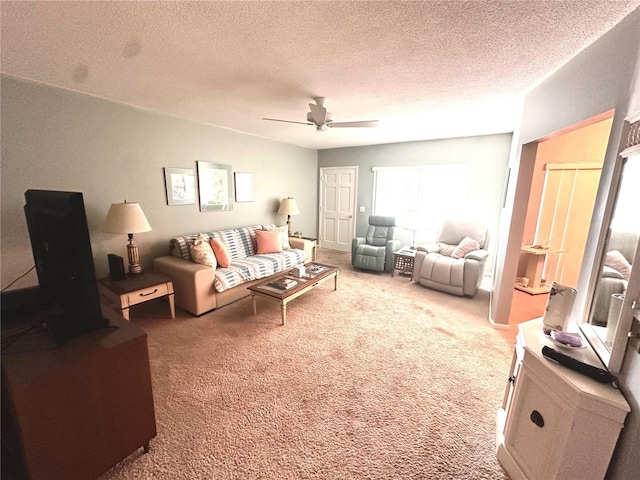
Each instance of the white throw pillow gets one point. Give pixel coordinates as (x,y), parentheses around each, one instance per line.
(614,259)
(201,252)
(467,245)
(283,235)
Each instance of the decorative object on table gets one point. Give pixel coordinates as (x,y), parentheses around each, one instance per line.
(567,340)
(244,187)
(128,218)
(180,184)
(412,221)
(558,309)
(314,268)
(215,186)
(116,267)
(299,271)
(288,207)
(283,283)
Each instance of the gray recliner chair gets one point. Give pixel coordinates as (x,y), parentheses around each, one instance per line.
(435,268)
(375,251)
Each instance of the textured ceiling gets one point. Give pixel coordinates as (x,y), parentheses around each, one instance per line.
(432,69)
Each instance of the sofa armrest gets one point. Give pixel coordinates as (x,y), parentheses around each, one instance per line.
(303,244)
(354,244)
(611,273)
(392,246)
(192,283)
(429,247)
(479,255)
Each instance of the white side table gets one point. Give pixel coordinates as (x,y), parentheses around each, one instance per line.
(556,423)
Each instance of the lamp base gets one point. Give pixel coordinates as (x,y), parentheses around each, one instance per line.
(135,268)
(289,225)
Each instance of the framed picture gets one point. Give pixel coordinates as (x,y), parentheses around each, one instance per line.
(244,187)
(181,186)
(215,186)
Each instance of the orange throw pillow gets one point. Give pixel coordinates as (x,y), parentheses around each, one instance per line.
(220,250)
(268,241)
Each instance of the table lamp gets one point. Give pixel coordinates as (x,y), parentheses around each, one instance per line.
(413,220)
(288,207)
(128,218)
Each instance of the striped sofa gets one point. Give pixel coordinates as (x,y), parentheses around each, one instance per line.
(200,288)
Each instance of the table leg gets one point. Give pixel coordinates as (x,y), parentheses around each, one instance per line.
(253,299)
(125,313)
(535,266)
(172,305)
(283,307)
(335,282)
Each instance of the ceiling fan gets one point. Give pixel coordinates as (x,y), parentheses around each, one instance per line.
(323,120)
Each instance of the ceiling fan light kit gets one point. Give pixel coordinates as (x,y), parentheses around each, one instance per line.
(323,120)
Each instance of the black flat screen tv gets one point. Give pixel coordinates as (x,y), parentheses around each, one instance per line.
(64,262)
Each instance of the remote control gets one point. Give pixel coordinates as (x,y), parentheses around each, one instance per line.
(596,373)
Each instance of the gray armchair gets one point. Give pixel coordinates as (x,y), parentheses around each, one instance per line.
(435,268)
(375,251)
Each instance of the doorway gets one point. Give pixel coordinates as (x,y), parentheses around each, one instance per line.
(560,207)
(337,207)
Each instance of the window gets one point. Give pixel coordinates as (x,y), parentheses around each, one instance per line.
(435,191)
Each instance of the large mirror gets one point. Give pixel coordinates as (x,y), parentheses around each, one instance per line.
(611,311)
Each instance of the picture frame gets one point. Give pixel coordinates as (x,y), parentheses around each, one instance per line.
(215,186)
(180,186)
(244,187)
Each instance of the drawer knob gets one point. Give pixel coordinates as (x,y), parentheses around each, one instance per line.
(150,293)
(536,417)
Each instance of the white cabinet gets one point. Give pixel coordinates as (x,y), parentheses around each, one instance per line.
(556,423)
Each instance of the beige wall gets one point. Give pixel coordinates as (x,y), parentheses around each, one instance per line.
(59,140)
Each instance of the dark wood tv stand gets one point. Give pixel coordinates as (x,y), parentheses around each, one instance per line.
(74,411)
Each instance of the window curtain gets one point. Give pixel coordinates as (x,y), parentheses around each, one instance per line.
(436,192)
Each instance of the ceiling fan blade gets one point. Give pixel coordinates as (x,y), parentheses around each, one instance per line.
(287,121)
(363,123)
(319,114)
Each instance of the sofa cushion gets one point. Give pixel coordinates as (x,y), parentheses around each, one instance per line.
(180,246)
(201,252)
(268,241)
(220,250)
(256,267)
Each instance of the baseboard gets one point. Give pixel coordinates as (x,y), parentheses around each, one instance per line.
(498,326)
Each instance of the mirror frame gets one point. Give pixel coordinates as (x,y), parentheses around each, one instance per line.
(614,357)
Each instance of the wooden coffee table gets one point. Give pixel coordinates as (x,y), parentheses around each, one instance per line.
(302,285)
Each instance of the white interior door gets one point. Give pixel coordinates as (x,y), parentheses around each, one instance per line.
(337,207)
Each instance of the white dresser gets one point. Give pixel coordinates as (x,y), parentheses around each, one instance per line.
(556,423)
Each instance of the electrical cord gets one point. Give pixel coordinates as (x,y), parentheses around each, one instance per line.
(21,276)
(11,338)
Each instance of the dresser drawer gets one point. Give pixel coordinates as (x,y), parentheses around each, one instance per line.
(145,294)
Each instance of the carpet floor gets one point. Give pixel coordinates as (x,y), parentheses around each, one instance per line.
(381,379)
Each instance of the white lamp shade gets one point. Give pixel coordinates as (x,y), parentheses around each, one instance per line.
(413,220)
(288,206)
(125,218)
